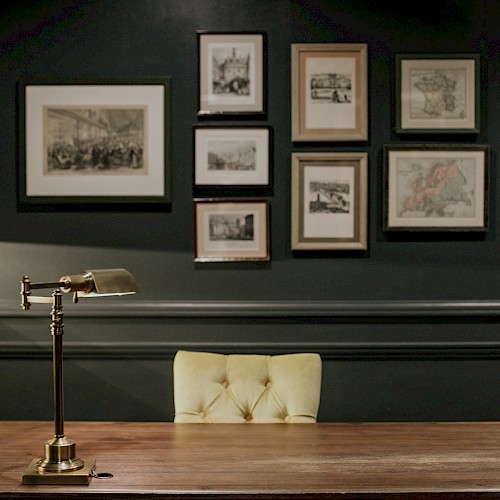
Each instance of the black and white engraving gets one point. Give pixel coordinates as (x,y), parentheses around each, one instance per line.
(94,140)
(326,196)
(231,69)
(232,154)
(223,227)
(331,87)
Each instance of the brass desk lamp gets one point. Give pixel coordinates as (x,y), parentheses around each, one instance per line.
(60,464)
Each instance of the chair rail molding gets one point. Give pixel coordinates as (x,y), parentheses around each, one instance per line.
(471,311)
(285,309)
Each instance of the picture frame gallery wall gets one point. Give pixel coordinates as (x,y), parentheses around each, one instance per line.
(279,176)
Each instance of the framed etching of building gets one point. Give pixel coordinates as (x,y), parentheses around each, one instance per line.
(232,156)
(437,93)
(231,73)
(329,92)
(329,201)
(94,141)
(436,187)
(231,230)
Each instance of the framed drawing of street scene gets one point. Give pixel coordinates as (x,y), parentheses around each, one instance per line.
(232,69)
(437,93)
(329,201)
(231,156)
(231,230)
(329,92)
(436,187)
(94,141)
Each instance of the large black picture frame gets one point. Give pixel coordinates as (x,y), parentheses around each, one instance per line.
(94,142)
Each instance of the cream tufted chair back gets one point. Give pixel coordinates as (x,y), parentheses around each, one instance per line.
(246,388)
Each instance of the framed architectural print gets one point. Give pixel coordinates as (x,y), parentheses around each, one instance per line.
(436,187)
(232,70)
(437,93)
(329,92)
(94,141)
(329,201)
(231,230)
(231,156)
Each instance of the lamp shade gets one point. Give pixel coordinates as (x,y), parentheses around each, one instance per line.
(100,282)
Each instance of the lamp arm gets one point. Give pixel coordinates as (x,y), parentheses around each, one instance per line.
(27,286)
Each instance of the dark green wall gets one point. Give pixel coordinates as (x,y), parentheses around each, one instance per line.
(406,367)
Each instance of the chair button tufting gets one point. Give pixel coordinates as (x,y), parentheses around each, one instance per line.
(248,417)
(202,414)
(268,384)
(287,418)
(225,383)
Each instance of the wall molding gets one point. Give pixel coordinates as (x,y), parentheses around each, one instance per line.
(328,350)
(479,311)
(486,310)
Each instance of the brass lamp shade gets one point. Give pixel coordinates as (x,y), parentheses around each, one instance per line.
(100,282)
(60,464)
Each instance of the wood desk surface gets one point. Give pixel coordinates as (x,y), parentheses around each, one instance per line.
(241,461)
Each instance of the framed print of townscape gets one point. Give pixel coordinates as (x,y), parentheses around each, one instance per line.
(329,92)
(436,187)
(231,156)
(231,230)
(329,201)
(94,141)
(231,73)
(437,93)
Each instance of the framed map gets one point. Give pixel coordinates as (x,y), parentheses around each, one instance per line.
(436,187)
(437,93)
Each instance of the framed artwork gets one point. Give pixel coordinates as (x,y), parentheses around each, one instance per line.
(437,93)
(231,230)
(435,187)
(231,156)
(94,141)
(231,73)
(329,92)
(329,201)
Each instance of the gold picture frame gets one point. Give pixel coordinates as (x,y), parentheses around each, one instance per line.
(329,92)
(329,201)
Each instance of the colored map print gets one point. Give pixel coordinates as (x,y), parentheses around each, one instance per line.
(435,187)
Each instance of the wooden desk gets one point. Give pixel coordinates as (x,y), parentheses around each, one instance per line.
(264,461)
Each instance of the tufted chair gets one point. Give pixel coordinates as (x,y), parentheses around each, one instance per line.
(246,388)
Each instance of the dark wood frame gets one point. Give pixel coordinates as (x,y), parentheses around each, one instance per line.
(393,223)
(433,63)
(257,108)
(263,252)
(262,180)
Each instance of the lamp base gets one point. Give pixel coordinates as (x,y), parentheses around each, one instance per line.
(81,476)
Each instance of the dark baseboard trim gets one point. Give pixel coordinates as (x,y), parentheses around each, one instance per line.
(364,351)
(481,310)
